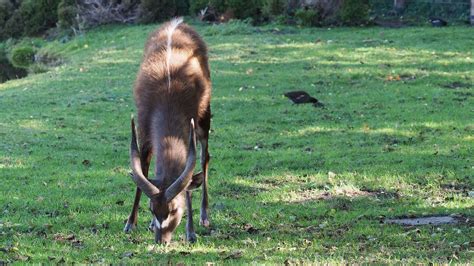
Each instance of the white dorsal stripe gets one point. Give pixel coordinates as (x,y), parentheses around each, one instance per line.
(171,28)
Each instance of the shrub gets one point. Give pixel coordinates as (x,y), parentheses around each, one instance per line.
(157,10)
(92,13)
(37,68)
(67,11)
(14,26)
(274,8)
(243,9)
(6,11)
(308,17)
(197,5)
(182,7)
(38,15)
(26,17)
(22,57)
(7,70)
(328,10)
(354,12)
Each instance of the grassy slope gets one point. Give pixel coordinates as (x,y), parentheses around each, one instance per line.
(64,141)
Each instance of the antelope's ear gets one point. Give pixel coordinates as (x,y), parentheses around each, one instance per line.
(196,181)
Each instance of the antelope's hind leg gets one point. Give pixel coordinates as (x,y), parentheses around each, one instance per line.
(145,158)
(190,234)
(204,127)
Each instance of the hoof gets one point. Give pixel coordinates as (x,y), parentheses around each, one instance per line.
(204,222)
(128,228)
(191,237)
(151,227)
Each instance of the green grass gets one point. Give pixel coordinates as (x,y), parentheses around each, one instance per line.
(395,148)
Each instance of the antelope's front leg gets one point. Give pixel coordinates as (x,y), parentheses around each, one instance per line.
(132,219)
(204,220)
(190,234)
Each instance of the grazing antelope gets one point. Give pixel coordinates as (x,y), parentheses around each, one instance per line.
(172,95)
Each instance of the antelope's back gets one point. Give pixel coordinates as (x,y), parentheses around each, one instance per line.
(174,77)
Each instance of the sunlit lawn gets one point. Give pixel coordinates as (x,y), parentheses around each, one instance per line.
(288,182)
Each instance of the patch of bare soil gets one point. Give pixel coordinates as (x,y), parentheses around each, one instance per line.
(431,220)
(314,195)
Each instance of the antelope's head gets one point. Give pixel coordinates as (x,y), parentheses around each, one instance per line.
(166,204)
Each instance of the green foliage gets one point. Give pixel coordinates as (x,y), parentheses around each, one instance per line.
(6,11)
(157,10)
(182,7)
(7,70)
(37,68)
(198,5)
(274,8)
(246,8)
(241,9)
(13,27)
(354,12)
(30,17)
(22,56)
(308,17)
(67,11)
(419,10)
(38,15)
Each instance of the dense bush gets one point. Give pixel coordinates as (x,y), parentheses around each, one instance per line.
(182,7)
(308,17)
(30,17)
(455,10)
(7,70)
(196,6)
(6,10)
(14,26)
(274,8)
(38,15)
(67,11)
(243,9)
(91,13)
(157,10)
(354,12)
(22,57)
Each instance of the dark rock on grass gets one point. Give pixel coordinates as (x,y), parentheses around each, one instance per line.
(300,97)
(438,22)
(456,85)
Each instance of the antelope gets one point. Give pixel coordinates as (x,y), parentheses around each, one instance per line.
(172,94)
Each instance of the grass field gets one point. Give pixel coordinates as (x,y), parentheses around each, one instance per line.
(288,183)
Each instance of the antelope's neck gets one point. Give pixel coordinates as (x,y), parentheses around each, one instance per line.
(171,154)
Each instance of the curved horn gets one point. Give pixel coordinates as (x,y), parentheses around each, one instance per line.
(137,175)
(184,179)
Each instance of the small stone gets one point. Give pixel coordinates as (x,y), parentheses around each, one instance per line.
(128,254)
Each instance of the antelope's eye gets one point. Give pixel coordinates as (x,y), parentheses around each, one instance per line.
(173,212)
